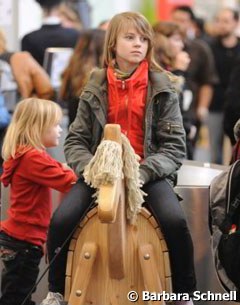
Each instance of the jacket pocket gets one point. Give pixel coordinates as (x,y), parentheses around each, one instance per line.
(169,127)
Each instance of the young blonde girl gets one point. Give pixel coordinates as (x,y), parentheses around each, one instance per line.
(133,91)
(30,172)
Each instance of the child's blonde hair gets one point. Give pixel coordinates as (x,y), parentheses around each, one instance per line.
(122,22)
(31,118)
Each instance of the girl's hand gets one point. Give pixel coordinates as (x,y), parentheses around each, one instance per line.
(182,61)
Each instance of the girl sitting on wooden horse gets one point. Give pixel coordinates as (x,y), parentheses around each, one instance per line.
(134,92)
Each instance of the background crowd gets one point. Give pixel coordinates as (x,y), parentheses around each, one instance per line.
(205,56)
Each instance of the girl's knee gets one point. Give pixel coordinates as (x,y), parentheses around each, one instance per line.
(176,225)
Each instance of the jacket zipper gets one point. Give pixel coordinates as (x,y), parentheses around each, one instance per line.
(126,103)
(171,127)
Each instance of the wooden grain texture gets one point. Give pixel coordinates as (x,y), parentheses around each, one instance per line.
(118,249)
(151,277)
(103,290)
(84,272)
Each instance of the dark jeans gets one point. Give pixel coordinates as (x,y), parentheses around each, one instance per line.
(163,203)
(20,271)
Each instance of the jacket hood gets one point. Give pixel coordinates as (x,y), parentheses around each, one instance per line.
(10,166)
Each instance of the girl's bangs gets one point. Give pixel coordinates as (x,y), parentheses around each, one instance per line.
(138,25)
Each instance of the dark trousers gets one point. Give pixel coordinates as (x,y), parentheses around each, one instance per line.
(165,206)
(20,271)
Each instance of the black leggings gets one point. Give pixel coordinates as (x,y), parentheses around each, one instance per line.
(164,205)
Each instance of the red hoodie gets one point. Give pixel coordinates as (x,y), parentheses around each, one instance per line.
(127,101)
(31,175)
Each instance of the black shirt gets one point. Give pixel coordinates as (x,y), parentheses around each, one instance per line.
(224,62)
(49,36)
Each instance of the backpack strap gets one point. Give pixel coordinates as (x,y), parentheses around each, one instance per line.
(227,222)
(237,151)
(234,205)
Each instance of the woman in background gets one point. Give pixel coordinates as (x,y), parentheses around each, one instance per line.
(21,70)
(87,55)
(69,16)
(170,55)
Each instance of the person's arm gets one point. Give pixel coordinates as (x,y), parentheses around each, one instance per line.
(44,170)
(30,76)
(77,146)
(204,100)
(170,148)
(207,77)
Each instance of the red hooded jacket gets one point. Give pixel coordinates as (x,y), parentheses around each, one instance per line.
(31,175)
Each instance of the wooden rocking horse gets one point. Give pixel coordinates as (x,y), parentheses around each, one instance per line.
(109,257)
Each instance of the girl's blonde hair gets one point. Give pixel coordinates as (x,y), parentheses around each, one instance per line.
(31,118)
(122,22)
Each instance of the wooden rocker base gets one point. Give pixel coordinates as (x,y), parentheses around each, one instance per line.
(147,267)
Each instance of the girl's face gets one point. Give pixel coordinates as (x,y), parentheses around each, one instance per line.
(176,44)
(131,48)
(51,136)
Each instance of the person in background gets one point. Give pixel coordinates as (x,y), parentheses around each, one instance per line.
(103,25)
(135,92)
(87,55)
(225,48)
(69,16)
(236,147)
(201,74)
(30,77)
(51,34)
(200,30)
(30,172)
(170,55)
(231,108)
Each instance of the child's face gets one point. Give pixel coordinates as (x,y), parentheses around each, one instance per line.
(176,44)
(131,48)
(51,136)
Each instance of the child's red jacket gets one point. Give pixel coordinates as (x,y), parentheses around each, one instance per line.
(31,175)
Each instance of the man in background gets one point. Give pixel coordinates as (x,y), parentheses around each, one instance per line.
(225,48)
(201,74)
(51,34)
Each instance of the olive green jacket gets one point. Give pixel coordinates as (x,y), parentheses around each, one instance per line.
(164,136)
